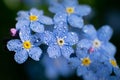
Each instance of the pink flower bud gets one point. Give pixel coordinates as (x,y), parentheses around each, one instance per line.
(13,31)
(91,50)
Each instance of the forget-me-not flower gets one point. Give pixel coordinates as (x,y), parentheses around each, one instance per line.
(113,66)
(82,64)
(71,12)
(89,68)
(24,47)
(97,42)
(33,19)
(60,41)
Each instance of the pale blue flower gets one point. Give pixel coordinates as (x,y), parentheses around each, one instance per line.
(70,11)
(33,19)
(113,66)
(97,42)
(24,47)
(60,41)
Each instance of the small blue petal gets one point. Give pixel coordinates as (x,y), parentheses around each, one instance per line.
(45,20)
(81,70)
(71,38)
(109,48)
(83,10)
(22,15)
(89,31)
(21,23)
(61,29)
(54,51)
(36,12)
(90,76)
(74,62)
(37,27)
(60,17)
(35,53)
(14,45)
(36,39)
(104,69)
(75,21)
(48,37)
(117,71)
(21,56)
(25,33)
(55,8)
(70,2)
(105,33)
(82,47)
(67,51)
(84,43)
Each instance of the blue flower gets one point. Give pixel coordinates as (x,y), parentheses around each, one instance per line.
(97,42)
(71,12)
(113,67)
(33,19)
(24,47)
(56,67)
(89,68)
(60,41)
(82,64)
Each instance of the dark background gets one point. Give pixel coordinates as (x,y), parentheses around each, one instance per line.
(104,12)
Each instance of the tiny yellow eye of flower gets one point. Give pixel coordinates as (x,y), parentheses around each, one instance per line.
(70,10)
(27,44)
(96,43)
(33,18)
(86,61)
(113,62)
(60,42)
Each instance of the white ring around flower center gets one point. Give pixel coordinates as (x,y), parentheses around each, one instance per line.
(60,41)
(96,43)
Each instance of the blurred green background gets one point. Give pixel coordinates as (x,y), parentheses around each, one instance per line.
(104,12)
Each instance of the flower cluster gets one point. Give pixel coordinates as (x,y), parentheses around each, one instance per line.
(69,42)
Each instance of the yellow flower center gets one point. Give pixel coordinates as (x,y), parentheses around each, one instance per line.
(70,10)
(113,62)
(86,61)
(60,42)
(27,44)
(96,43)
(33,17)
